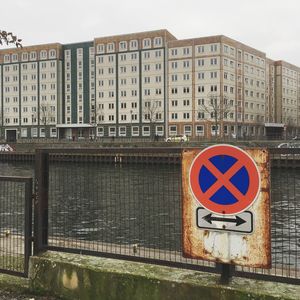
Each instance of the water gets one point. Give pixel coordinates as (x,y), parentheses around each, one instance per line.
(128,204)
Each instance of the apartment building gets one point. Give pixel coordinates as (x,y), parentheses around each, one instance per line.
(131,95)
(144,85)
(31,91)
(216,86)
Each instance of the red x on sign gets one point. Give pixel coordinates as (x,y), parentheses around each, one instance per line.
(224,179)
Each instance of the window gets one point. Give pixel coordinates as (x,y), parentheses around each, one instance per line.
(213,48)
(43,54)
(201,115)
(34,132)
(111,47)
(199,130)
(174,116)
(200,49)
(213,61)
(122,131)
(146,130)
(201,75)
(214,129)
(53,132)
(24,132)
(100,131)
(133,44)
(123,46)
(42,132)
(186,116)
(186,51)
(159,130)
(200,89)
(14,57)
(186,102)
(146,43)
(6,58)
(52,53)
(135,131)
(187,130)
(173,130)
(111,131)
(24,56)
(186,63)
(158,41)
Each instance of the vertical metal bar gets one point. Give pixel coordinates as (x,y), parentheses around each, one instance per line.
(226,272)
(41,201)
(28,223)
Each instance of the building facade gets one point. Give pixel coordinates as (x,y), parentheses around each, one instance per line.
(147,85)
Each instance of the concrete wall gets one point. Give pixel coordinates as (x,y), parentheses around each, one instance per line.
(73,276)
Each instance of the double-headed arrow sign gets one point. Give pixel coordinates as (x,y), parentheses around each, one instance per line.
(241,223)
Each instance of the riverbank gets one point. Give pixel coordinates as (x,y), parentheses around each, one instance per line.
(29,146)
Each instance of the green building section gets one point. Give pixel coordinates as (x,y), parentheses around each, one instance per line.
(86,80)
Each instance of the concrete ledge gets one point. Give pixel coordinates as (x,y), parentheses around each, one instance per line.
(84,277)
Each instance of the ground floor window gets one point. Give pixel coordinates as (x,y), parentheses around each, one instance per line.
(53,132)
(34,132)
(42,132)
(159,130)
(173,130)
(100,131)
(225,129)
(215,129)
(23,132)
(135,131)
(188,130)
(146,130)
(112,131)
(199,130)
(122,131)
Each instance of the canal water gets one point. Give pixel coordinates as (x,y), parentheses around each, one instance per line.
(140,204)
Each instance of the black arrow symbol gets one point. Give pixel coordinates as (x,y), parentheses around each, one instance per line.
(238,220)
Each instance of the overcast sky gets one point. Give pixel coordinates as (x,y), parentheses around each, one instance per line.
(272,26)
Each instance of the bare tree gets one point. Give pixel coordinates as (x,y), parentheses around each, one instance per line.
(45,113)
(217,108)
(290,126)
(152,114)
(98,117)
(8,38)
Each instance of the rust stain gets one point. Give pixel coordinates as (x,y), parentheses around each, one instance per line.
(257,246)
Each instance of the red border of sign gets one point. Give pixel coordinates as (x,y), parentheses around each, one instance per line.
(244,159)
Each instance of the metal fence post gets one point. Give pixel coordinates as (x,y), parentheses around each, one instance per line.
(28,223)
(41,201)
(227,271)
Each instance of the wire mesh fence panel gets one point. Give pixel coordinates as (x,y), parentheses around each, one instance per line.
(126,205)
(285,217)
(15,224)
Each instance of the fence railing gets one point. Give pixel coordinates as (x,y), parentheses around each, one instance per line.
(126,203)
(15,224)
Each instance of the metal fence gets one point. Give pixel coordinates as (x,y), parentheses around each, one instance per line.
(15,224)
(126,203)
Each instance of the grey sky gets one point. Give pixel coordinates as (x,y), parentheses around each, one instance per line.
(271,26)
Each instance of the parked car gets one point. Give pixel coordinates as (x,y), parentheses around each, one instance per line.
(177,138)
(289,145)
(6,148)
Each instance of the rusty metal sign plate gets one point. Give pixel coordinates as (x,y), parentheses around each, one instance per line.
(240,237)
